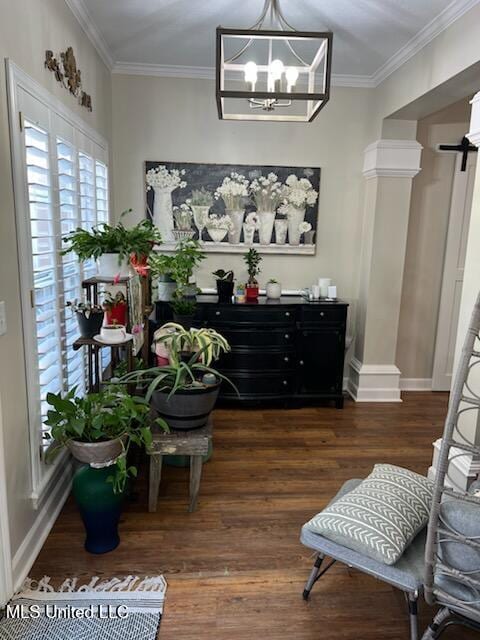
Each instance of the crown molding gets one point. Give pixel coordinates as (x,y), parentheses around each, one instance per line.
(79,10)
(442,21)
(208,73)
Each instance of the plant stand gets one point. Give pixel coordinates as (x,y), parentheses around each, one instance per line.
(194,443)
(121,351)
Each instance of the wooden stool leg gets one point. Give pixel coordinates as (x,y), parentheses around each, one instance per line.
(196,463)
(155,477)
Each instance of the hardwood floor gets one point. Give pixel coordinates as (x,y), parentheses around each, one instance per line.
(235,567)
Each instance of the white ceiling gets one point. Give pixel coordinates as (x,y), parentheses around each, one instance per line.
(371,37)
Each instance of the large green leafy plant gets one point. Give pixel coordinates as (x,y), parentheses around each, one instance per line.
(138,240)
(112,414)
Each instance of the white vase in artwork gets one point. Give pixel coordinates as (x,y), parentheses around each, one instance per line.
(296,215)
(217,234)
(163,212)
(248,233)
(281,228)
(200,215)
(236,216)
(265,226)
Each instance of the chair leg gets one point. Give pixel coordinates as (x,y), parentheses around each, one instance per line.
(413,613)
(313,575)
(438,625)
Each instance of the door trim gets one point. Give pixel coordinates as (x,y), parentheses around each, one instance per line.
(6,579)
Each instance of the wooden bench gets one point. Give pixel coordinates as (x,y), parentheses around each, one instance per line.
(194,443)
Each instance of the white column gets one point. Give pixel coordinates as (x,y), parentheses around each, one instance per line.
(389,168)
(464,469)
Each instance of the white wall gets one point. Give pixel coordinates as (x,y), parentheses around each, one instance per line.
(427,234)
(27,29)
(176,120)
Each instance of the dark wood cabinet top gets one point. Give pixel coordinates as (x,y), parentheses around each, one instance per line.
(266,302)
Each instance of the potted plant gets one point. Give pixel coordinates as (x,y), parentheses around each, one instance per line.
(114,246)
(224,280)
(183,309)
(161,267)
(185,391)
(89,317)
(116,308)
(252,259)
(274,289)
(98,429)
(200,202)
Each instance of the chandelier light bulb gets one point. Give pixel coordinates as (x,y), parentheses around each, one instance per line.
(292,77)
(251,72)
(276,69)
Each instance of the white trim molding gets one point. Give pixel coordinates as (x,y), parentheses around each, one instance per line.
(452,12)
(462,470)
(80,11)
(415,384)
(6,578)
(374,382)
(474,134)
(392,159)
(33,542)
(208,73)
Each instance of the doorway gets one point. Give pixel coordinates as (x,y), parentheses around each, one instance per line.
(451,291)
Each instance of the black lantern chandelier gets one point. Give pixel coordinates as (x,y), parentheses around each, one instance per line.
(280,75)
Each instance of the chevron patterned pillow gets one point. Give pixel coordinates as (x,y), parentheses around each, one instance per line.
(381,516)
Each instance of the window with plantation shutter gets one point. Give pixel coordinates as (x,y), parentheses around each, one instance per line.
(61,183)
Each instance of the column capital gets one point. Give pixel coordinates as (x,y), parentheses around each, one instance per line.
(392,159)
(474,133)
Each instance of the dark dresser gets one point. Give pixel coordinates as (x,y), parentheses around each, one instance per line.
(287,349)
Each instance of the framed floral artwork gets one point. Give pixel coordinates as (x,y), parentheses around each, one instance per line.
(229,208)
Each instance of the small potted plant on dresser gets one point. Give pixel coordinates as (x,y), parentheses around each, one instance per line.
(252,259)
(274,289)
(89,317)
(98,429)
(225,285)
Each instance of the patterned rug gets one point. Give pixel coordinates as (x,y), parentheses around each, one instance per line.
(117,609)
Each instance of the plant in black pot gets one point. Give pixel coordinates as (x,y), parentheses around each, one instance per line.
(98,429)
(89,317)
(183,309)
(225,285)
(184,392)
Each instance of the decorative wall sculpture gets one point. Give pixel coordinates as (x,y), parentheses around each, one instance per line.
(68,74)
(229,208)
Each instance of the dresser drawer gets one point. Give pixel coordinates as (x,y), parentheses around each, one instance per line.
(250,314)
(253,337)
(260,385)
(323,313)
(256,360)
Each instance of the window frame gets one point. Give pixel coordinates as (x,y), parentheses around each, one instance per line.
(18,80)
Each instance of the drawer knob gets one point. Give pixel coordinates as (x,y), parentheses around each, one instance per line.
(287,336)
(287,313)
(285,382)
(286,359)
(321,314)
(217,313)
(301,363)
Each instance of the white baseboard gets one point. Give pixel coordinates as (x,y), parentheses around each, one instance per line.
(374,382)
(28,551)
(415,384)
(462,470)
